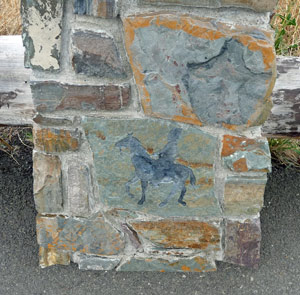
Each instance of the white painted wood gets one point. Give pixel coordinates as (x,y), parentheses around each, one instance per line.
(285,117)
(14,82)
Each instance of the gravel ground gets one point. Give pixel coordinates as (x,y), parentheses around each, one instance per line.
(279,271)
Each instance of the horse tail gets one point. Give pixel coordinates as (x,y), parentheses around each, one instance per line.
(192,177)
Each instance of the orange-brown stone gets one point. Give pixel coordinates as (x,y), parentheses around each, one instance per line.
(240,165)
(231,144)
(241,154)
(180,234)
(53,140)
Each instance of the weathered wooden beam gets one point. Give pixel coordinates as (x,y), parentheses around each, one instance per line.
(285,118)
(16,107)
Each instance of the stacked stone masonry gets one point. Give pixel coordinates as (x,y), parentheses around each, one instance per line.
(148,151)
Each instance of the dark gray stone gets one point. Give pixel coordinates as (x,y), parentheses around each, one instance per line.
(50,96)
(52,121)
(96,54)
(242,240)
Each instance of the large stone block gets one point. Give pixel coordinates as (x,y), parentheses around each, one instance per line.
(195,264)
(42,22)
(174,234)
(52,96)
(242,242)
(258,5)
(201,72)
(54,140)
(241,154)
(96,54)
(174,165)
(47,175)
(244,196)
(88,236)
(98,8)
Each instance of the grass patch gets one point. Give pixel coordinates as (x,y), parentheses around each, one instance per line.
(11,140)
(10,18)
(285,151)
(286,23)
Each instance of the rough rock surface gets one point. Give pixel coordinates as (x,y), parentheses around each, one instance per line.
(96,54)
(193,151)
(241,154)
(242,240)
(54,140)
(50,96)
(201,72)
(88,236)
(79,187)
(48,192)
(244,196)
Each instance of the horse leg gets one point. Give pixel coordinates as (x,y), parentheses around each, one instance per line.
(180,200)
(130,182)
(171,194)
(144,187)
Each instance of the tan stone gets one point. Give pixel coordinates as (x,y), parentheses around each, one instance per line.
(47,186)
(180,234)
(49,257)
(243,197)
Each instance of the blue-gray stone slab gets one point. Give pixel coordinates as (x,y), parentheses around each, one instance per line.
(193,151)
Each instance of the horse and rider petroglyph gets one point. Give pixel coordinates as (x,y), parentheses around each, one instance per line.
(161,168)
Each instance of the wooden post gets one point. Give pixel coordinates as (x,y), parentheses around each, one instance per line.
(16,107)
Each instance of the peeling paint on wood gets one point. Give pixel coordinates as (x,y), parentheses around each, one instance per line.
(285,116)
(16,107)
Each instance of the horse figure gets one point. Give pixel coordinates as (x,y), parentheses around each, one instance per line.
(157,171)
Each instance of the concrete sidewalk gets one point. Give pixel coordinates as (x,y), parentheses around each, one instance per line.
(279,272)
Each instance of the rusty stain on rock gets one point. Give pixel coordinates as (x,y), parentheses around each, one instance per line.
(179,234)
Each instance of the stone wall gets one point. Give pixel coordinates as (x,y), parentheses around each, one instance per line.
(148,148)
